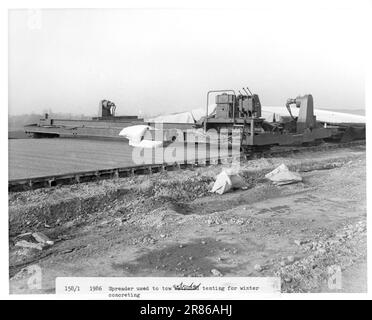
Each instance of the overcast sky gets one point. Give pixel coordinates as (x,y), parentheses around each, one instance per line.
(161,61)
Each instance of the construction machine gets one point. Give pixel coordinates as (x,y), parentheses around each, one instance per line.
(107,109)
(243,112)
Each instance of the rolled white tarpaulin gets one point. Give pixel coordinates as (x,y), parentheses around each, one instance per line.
(136,134)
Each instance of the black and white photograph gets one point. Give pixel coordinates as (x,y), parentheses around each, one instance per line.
(187,152)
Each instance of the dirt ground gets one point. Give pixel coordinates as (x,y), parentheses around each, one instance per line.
(169,224)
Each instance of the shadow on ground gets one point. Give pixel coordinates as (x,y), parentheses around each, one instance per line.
(196,258)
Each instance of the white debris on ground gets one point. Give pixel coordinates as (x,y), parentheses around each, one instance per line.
(216,273)
(42,238)
(226,181)
(282,175)
(42,241)
(30,245)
